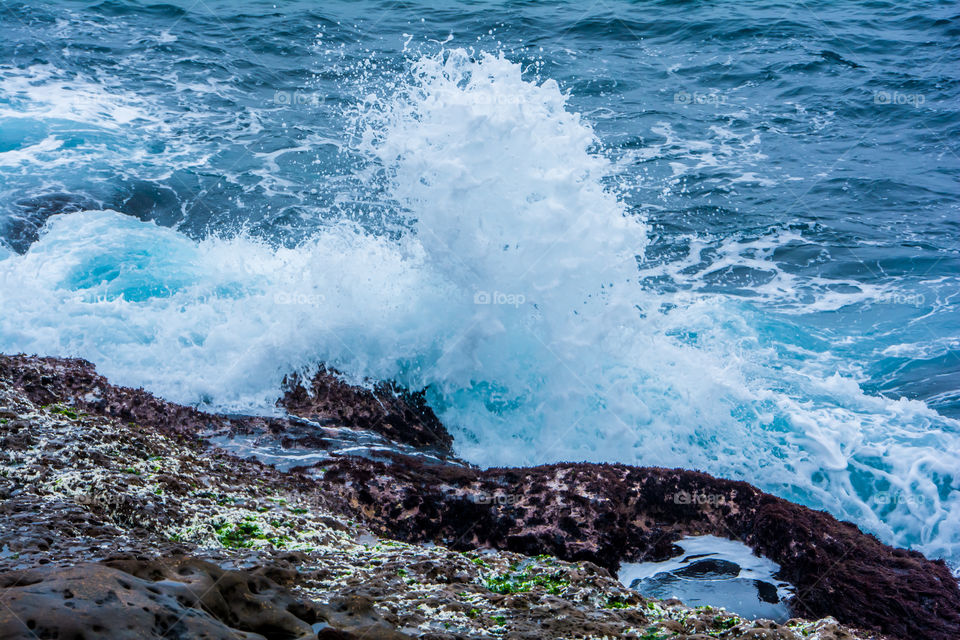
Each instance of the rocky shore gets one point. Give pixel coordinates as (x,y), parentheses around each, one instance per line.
(125,516)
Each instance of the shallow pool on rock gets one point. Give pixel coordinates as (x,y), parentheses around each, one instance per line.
(717,572)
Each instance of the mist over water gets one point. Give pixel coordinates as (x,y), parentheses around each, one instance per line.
(573,270)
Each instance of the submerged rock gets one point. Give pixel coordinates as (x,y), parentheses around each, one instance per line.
(88,470)
(718,572)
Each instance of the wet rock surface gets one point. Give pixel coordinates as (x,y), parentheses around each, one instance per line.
(607,514)
(133,599)
(89,471)
(326,417)
(398,414)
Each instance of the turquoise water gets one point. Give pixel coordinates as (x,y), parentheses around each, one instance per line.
(718,236)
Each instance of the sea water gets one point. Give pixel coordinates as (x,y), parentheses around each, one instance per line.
(716,237)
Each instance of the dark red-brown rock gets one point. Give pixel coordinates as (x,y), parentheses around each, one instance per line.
(605,514)
(76,382)
(400,415)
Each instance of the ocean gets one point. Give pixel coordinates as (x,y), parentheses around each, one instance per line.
(721,236)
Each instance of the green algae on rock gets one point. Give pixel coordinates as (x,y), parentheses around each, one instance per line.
(98,500)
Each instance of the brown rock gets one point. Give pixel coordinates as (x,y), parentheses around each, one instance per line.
(98,601)
(604,514)
(607,514)
(396,413)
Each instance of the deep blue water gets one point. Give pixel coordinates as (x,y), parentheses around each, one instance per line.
(716,235)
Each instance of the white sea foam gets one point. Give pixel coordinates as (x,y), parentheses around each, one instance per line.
(514,295)
(41,92)
(54,122)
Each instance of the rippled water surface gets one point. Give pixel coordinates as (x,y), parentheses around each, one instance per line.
(722,235)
